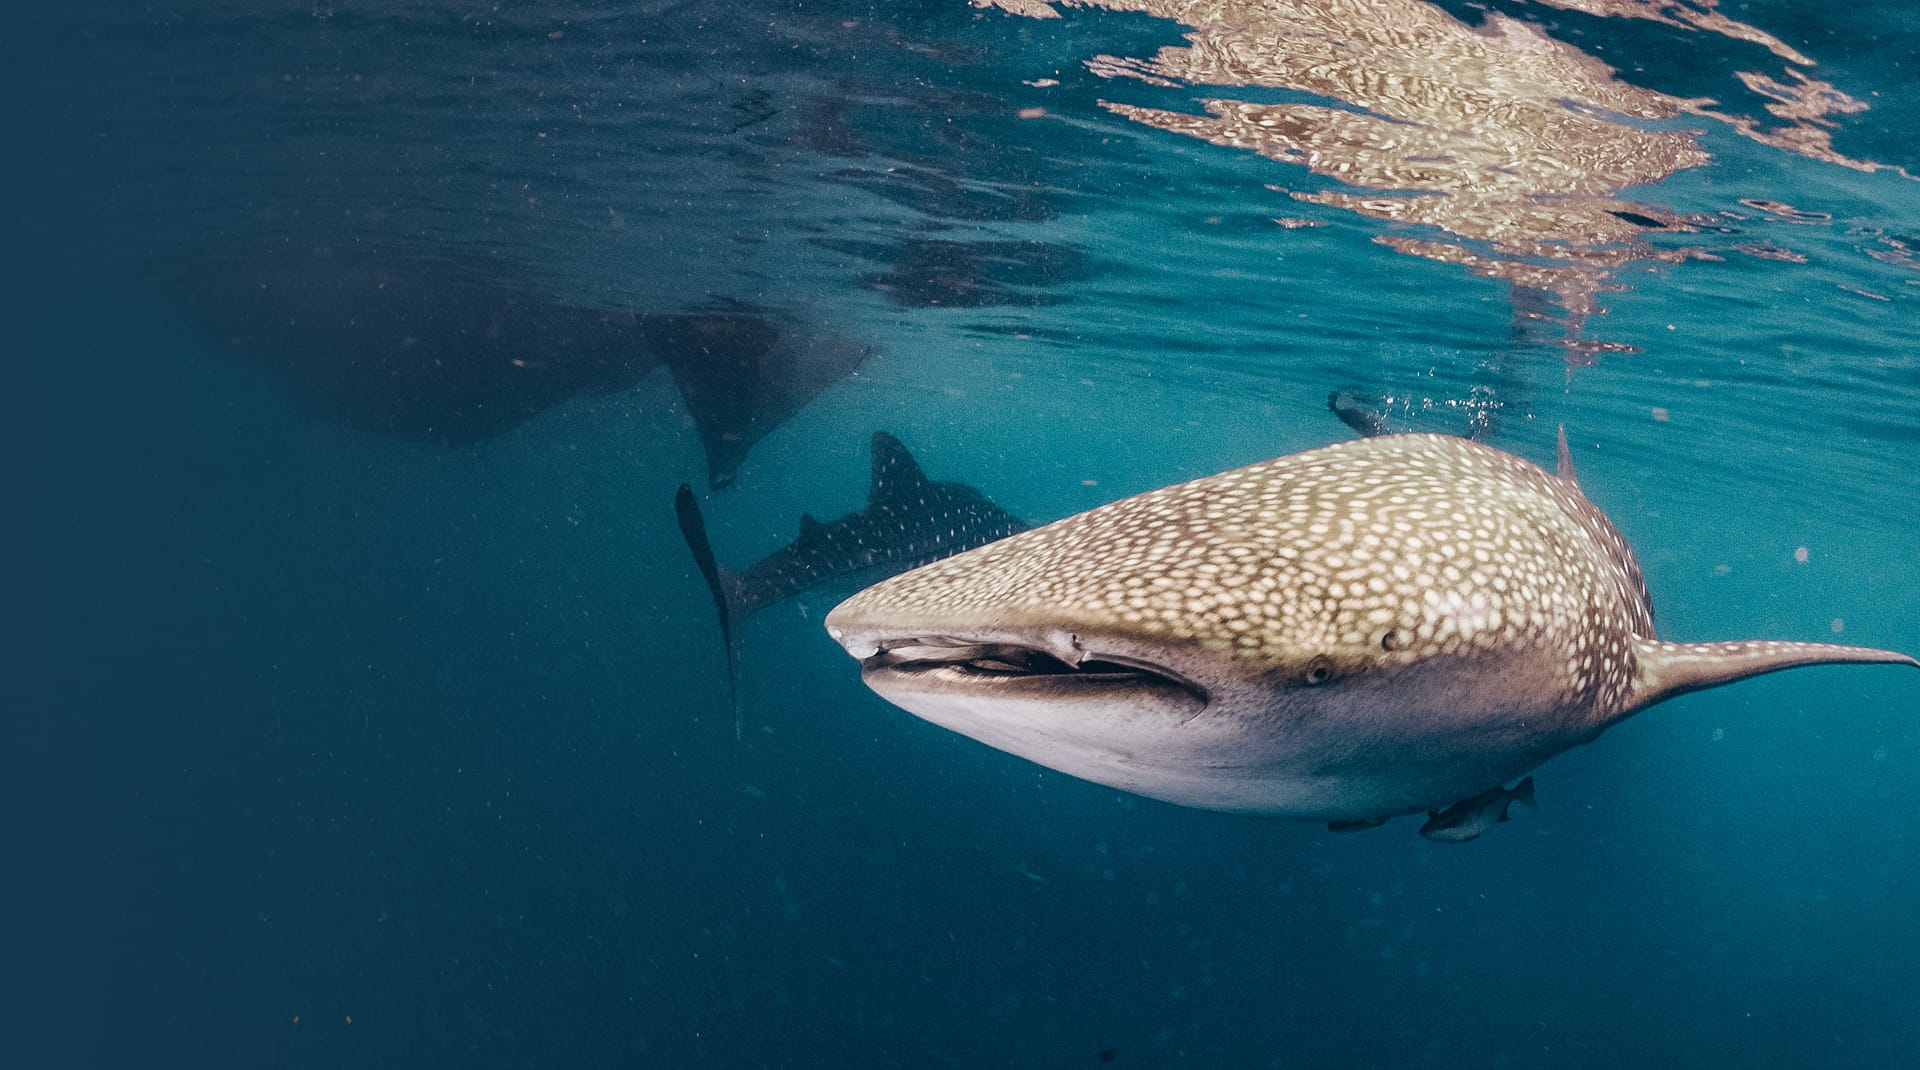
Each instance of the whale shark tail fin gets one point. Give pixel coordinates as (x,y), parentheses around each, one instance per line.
(693,527)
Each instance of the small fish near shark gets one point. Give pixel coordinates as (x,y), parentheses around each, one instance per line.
(1468,818)
(1392,625)
(1464,820)
(909,520)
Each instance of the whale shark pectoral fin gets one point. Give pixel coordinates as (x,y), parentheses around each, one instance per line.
(1359,825)
(1669,669)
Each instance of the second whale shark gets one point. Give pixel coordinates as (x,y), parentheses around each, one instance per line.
(908,520)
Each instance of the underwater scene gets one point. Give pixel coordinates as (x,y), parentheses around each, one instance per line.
(1011,533)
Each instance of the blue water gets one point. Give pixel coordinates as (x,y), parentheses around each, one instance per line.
(338,738)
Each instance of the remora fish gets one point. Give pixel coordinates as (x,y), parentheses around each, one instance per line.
(1468,818)
(1379,627)
(909,520)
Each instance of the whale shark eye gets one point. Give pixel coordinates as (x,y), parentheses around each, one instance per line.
(1390,641)
(1319,671)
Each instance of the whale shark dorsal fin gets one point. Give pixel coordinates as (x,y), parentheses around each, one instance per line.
(895,473)
(1669,669)
(810,528)
(1563,460)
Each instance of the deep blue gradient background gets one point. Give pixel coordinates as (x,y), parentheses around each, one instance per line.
(309,725)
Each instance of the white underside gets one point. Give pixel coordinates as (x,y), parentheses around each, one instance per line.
(1212,760)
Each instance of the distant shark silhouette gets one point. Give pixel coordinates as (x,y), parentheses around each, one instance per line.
(742,371)
(909,521)
(454,348)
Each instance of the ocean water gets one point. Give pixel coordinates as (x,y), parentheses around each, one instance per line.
(368,709)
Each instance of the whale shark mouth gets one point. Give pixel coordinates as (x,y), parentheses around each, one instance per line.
(950,664)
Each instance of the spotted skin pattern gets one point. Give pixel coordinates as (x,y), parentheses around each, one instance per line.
(1417,545)
(909,520)
(1390,624)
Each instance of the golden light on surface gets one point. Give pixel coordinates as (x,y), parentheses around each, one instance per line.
(1498,135)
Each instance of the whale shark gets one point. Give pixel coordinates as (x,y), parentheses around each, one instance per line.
(450,348)
(1391,625)
(743,370)
(908,520)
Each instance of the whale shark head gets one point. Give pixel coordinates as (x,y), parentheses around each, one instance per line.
(1379,627)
